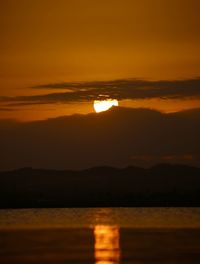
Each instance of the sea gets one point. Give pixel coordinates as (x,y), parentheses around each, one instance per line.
(100,235)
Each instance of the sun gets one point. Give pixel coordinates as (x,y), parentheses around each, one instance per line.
(104,105)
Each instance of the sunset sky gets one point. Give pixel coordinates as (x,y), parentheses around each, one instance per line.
(58,57)
(54,42)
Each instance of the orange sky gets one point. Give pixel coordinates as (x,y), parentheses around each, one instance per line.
(82,40)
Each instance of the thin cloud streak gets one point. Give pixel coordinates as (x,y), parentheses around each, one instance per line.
(119,89)
(134,88)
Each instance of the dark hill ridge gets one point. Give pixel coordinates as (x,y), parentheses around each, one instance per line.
(119,137)
(161,185)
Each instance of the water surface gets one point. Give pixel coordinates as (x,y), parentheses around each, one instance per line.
(100,235)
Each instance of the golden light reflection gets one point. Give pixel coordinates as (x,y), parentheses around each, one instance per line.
(107,244)
(104,105)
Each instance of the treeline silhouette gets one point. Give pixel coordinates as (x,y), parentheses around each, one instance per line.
(161,185)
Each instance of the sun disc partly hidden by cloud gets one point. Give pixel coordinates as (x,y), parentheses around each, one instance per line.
(104,105)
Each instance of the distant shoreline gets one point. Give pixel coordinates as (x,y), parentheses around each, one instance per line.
(163,185)
(136,205)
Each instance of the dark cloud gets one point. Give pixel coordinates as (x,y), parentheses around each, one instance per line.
(118,89)
(118,137)
(133,88)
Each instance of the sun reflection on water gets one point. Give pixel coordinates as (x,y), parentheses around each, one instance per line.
(107,244)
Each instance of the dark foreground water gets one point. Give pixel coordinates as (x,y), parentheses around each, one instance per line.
(100,236)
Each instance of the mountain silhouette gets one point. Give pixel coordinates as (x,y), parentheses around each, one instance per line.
(160,185)
(119,137)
